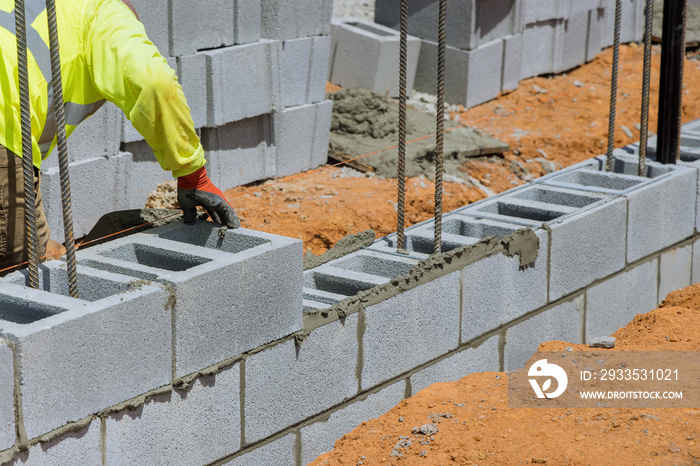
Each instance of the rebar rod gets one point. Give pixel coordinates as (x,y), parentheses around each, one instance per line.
(31,236)
(403,66)
(440,126)
(62,148)
(646,83)
(613,85)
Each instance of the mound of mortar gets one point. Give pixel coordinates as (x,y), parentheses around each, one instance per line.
(364,122)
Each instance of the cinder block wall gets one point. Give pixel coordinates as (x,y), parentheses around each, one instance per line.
(189,345)
(254,74)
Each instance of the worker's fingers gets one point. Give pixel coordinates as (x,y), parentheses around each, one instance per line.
(188,204)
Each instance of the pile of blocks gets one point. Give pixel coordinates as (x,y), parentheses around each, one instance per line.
(491,44)
(254,74)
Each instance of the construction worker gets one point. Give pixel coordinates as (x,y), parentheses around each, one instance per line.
(105,55)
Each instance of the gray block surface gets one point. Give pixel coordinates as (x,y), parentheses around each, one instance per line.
(192,72)
(295,67)
(512,62)
(575,36)
(195,426)
(542,45)
(483,358)
(587,247)
(291,19)
(81,447)
(7,400)
(280,451)
(400,333)
(320,437)
(144,174)
(306,380)
(674,270)
(201,25)
(562,322)
(320,54)
(301,137)
(247,16)
(154,16)
(613,303)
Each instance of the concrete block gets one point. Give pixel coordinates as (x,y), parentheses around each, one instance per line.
(471,77)
(495,290)
(587,247)
(109,346)
(245,81)
(613,303)
(538,11)
(596,33)
(192,72)
(562,322)
(575,45)
(240,152)
(247,16)
(632,24)
(295,67)
(188,34)
(7,400)
(155,18)
(306,379)
(322,133)
(194,260)
(301,137)
(399,334)
(97,136)
(367,55)
(98,186)
(593,180)
(512,62)
(280,451)
(674,270)
(320,54)
(291,19)
(470,23)
(483,358)
(320,437)
(81,447)
(375,263)
(196,426)
(695,273)
(143,175)
(333,283)
(542,48)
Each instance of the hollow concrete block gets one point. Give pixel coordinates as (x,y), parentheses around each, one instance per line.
(596,33)
(98,185)
(483,358)
(695,273)
(280,451)
(154,16)
(632,22)
(471,77)
(586,247)
(295,66)
(367,55)
(143,175)
(538,11)
(110,346)
(320,437)
(674,270)
(192,73)
(190,36)
(244,81)
(320,54)
(197,425)
(574,41)
(612,304)
(542,47)
(200,262)
(301,137)
(400,334)
(512,62)
(562,322)
(7,400)
(322,133)
(81,447)
(247,16)
(495,290)
(291,19)
(306,378)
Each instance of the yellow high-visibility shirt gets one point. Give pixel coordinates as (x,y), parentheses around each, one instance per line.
(105,55)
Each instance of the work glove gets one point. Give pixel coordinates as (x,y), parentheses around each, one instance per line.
(197,189)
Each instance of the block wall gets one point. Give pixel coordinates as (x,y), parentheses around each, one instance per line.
(192,345)
(254,74)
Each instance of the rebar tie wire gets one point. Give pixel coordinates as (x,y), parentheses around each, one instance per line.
(403,59)
(440,127)
(646,82)
(613,85)
(62,148)
(31,236)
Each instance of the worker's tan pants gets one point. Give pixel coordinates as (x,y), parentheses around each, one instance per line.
(13,249)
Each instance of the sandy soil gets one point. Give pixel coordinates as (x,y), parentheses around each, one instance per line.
(475,425)
(554,118)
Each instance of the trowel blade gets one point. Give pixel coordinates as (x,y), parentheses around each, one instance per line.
(127,222)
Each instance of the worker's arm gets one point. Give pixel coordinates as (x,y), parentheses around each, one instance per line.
(128,70)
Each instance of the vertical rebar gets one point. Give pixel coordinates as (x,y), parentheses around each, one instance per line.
(403,59)
(440,127)
(62,148)
(671,85)
(646,83)
(31,236)
(613,85)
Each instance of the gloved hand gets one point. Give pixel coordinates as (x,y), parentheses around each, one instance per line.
(197,189)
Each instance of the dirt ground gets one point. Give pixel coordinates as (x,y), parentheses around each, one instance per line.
(556,122)
(475,425)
